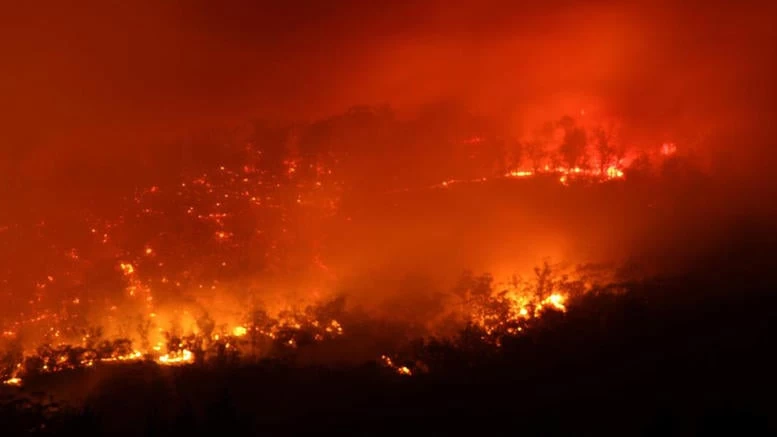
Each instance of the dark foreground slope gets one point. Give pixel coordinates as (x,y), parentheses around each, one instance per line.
(687,354)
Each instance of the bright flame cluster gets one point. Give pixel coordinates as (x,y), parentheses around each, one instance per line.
(401,370)
(184,356)
(565,173)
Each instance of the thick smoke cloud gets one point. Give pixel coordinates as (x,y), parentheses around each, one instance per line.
(100,83)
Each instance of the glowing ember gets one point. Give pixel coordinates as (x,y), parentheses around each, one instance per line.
(402,370)
(520,173)
(614,172)
(13,381)
(127,268)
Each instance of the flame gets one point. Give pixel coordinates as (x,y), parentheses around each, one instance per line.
(519,173)
(13,381)
(185,356)
(206,203)
(613,172)
(555,300)
(564,174)
(402,370)
(134,356)
(520,303)
(127,268)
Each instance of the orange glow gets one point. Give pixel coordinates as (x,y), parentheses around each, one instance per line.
(401,370)
(127,268)
(520,173)
(13,381)
(668,149)
(222,235)
(614,172)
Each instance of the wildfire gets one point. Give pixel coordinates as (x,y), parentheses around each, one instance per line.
(177,358)
(555,300)
(13,381)
(127,268)
(215,223)
(613,172)
(566,173)
(509,309)
(519,173)
(134,356)
(497,313)
(401,370)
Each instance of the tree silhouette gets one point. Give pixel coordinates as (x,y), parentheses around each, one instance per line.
(544,278)
(260,325)
(605,151)
(514,154)
(535,152)
(573,146)
(9,359)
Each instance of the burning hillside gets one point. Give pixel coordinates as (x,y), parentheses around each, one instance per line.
(236,260)
(383,197)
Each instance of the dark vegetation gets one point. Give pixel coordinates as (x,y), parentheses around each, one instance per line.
(682,354)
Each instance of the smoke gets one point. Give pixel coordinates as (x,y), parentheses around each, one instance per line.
(99,83)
